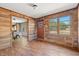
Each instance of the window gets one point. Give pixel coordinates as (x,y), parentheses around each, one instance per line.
(60,25)
(53,26)
(64,25)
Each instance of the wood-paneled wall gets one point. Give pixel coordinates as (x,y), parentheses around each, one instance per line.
(5,33)
(32,30)
(6,26)
(69,40)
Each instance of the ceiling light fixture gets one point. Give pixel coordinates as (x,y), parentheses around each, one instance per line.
(34,6)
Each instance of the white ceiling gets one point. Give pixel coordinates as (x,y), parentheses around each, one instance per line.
(43,9)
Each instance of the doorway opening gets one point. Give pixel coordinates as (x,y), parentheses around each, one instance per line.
(19,27)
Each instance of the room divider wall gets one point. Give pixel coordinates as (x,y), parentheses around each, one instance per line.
(6,27)
(32,30)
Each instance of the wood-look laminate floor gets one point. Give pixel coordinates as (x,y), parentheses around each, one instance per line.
(36,48)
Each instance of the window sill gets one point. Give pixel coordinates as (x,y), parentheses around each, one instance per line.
(59,35)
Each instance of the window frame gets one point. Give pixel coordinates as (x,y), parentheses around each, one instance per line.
(69,25)
(58,25)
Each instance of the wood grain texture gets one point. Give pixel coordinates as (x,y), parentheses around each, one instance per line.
(69,40)
(40,28)
(37,48)
(6,25)
(5,33)
(32,29)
